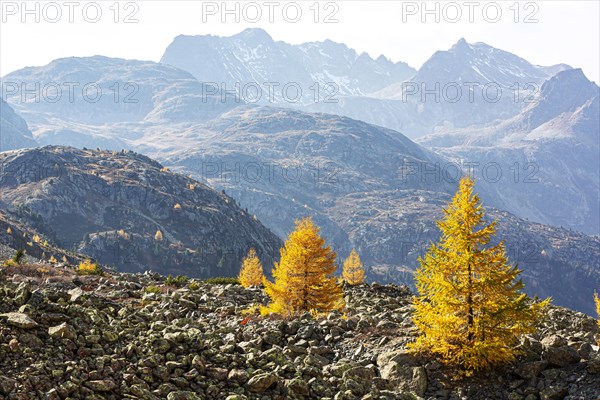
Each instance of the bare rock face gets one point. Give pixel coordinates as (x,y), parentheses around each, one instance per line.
(19,320)
(402,369)
(111,205)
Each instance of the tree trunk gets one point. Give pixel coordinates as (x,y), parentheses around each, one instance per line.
(305,290)
(469,302)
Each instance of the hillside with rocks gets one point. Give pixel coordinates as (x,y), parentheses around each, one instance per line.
(110,206)
(552,258)
(15,234)
(65,336)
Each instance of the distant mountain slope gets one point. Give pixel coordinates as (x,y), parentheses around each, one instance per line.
(252,56)
(554,144)
(98,90)
(14,133)
(284,164)
(110,206)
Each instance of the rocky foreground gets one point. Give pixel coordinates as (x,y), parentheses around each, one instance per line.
(124,336)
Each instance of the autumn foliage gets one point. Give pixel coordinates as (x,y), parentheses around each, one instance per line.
(470,308)
(597,301)
(304,278)
(251,273)
(89,268)
(353,272)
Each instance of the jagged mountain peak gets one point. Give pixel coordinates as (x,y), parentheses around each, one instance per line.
(254,36)
(382,59)
(480,63)
(461,45)
(572,80)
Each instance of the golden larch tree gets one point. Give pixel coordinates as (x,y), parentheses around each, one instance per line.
(470,309)
(251,273)
(597,301)
(158,236)
(304,278)
(353,271)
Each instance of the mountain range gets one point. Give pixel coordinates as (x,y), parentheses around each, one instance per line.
(368,186)
(468,88)
(469,78)
(164,95)
(253,57)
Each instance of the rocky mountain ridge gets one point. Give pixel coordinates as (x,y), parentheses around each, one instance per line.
(110,205)
(466,85)
(252,57)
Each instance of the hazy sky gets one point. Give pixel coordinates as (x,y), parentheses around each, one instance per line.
(543,32)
